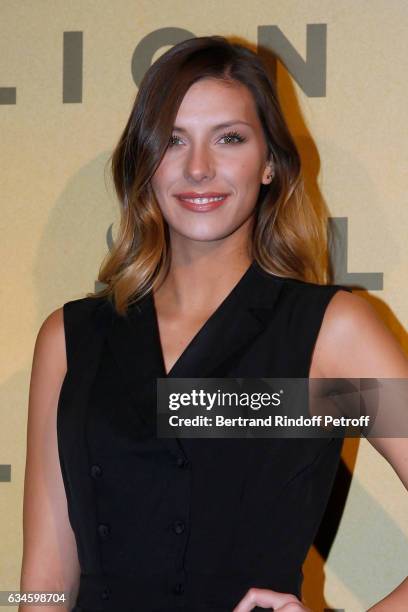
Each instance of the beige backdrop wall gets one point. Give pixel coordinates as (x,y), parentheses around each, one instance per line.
(67,78)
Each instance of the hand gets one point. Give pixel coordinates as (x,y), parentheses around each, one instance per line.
(265,598)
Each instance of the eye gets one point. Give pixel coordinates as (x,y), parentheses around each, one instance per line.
(173,140)
(233,137)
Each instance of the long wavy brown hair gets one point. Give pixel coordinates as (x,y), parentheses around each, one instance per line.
(289,233)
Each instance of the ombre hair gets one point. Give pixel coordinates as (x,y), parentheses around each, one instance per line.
(289,233)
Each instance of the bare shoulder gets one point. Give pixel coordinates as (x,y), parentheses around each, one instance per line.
(50,343)
(347,311)
(53,324)
(354,342)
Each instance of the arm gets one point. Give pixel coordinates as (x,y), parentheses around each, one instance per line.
(351,327)
(50,561)
(352,343)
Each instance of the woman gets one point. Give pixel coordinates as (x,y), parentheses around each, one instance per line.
(218,270)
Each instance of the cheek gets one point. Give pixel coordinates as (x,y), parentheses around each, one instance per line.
(157,181)
(162,178)
(248,177)
(249,166)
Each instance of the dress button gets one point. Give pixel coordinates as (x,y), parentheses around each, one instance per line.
(96,471)
(105,593)
(103,530)
(179,588)
(178,527)
(181,461)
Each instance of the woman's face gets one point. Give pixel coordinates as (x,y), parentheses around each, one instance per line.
(217,150)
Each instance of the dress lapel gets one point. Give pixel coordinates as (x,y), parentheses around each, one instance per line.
(135,342)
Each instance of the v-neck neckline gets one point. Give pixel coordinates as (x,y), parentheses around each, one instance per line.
(204,327)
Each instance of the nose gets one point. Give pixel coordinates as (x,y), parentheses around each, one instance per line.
(199,163)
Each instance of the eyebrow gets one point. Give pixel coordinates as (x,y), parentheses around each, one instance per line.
(217,127)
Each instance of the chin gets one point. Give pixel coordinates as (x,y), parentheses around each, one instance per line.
(203,235)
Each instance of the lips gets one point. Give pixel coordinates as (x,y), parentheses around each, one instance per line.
(201,202)
(194,194)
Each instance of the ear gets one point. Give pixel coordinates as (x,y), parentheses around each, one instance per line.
(268,173)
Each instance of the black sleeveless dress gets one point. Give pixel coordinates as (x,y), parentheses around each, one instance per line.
(165,524)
